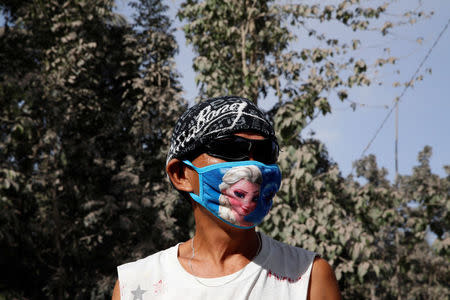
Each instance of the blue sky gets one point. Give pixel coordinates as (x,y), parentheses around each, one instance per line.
(423,111)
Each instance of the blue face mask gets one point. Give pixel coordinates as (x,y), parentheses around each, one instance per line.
(239,193)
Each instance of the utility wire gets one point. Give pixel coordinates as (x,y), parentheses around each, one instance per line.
(397,100)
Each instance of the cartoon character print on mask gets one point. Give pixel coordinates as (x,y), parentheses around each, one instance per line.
(240,189)
(238,193)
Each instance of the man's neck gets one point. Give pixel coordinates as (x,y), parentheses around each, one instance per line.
(219,249)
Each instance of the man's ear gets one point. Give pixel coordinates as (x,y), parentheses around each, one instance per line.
(179,175)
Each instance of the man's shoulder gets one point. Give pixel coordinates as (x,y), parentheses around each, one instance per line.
(286,249)
(145,263)
(288,260)
(135,276)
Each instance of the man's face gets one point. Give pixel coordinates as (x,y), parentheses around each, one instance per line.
(231,192)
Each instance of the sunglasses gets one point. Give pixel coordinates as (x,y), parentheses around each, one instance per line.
(236,148)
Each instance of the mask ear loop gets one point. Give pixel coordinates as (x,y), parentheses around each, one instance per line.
(187,162)
(195,197)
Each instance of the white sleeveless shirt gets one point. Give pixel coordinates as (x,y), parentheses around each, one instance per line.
(279,271)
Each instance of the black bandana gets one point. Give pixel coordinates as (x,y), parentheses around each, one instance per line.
(214,118)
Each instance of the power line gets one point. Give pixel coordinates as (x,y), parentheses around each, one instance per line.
(397,100)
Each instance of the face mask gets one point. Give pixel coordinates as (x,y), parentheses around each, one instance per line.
(239,193)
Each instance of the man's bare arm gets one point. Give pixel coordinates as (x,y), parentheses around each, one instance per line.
(116,292)
(323,283)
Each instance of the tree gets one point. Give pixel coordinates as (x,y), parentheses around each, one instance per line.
(86,105)
(249,48)
(427,200)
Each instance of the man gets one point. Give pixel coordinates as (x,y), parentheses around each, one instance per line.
(223,160)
